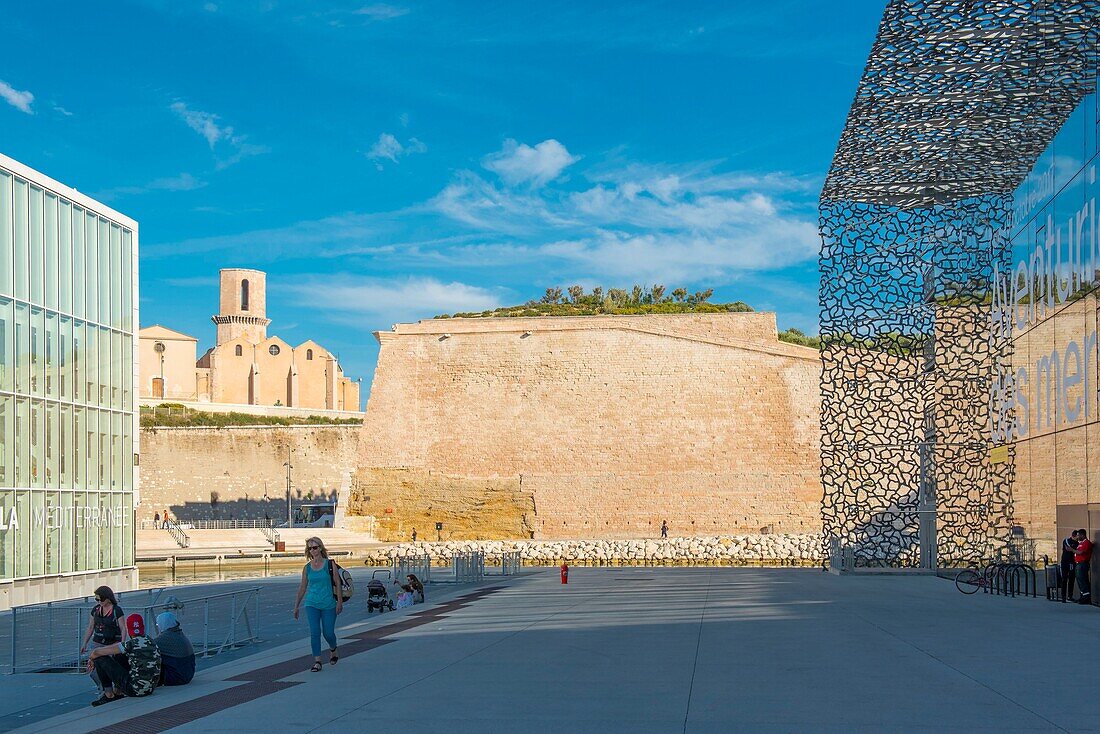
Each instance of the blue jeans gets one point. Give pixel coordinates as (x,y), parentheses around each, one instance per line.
(1083,578)
(321,619)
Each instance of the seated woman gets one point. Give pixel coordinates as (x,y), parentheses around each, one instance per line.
(417,588)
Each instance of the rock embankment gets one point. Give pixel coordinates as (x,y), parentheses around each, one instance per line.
(732,549)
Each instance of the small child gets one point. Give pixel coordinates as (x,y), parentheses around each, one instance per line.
(405,598)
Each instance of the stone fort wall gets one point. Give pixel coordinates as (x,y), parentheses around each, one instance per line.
(180,467)
(599,426)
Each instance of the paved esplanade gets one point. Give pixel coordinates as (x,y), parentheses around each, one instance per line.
(660,650)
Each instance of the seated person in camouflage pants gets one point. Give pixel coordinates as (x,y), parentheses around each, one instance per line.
(142,656)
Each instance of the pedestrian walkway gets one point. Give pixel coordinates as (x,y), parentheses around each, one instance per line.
(658,650)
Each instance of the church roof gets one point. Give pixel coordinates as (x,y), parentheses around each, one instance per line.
(156,331)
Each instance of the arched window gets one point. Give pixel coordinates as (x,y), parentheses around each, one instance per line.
(238,351)
(309,354)
(244,295)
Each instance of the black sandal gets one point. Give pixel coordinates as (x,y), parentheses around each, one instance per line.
(316,668)
(332,657)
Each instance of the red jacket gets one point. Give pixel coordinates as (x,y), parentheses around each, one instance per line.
(1084,551)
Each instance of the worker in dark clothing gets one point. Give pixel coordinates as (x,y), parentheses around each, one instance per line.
(1067,566)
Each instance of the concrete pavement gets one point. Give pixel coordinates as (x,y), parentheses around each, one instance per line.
(659,650)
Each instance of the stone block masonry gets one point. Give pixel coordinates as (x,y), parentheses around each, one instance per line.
(590,427)
(181,467)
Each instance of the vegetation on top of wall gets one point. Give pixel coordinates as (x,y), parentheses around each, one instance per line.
(574,301)
(175,415)
(794,336)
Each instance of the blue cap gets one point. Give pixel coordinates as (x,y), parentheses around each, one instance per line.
(166,621)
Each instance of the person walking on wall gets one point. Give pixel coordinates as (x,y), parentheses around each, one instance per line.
(664,528)
(156,519)
(103,627)
(414,535)
(319,589)
(1082,557)
(1067,566)
(165,525)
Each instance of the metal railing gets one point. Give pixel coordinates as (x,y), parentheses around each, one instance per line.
(469,567)
(48,637)
(1011,579)
(181,538)
(841,557)
(209,524)
(510,563)
(402,566)
(271,534)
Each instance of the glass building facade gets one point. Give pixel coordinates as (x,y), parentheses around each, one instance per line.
(68,421)
(1049,412)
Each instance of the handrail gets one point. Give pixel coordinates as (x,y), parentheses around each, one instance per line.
(271,534)
(181,538)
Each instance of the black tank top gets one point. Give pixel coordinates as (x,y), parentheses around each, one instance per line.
(105,628)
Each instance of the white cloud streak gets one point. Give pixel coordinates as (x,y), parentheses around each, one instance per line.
(182,182)
(381,11)
(388,147)
(221,138)
(382,302)
(20,100)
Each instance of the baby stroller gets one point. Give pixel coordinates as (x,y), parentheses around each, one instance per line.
(377,598)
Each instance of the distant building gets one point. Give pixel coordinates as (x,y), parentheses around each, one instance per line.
(245,366)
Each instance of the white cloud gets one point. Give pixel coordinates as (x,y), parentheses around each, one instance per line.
(382,303)
(518,163)
(388,147)
(210,8)
(61,110)
(21,101)
(182,182)
(381,11)
(219,137)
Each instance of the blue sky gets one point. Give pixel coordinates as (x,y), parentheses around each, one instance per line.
(386,162)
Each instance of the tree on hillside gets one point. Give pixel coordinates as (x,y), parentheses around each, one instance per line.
(701,296)
(553,295)
(680,294)
(597,293)
(617,296)
(636,294)
(576,292)
(657,292)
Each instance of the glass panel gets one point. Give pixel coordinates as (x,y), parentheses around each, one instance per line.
(65,257)
(7,446)
(79,275)
(53,362)
(104,272)
(22,256)
(37,533)
(49,228)
(91,448)
(53,444)
(65,358)
(22,340)
(38,351)
(38,443)
(80,359)
(7,344)
(105,535)
(7,244)
(22,445)
(85,553)
(128,373)
(91,364)
(23,537)
(53,520)
(116,451)
(127,530)
(117,372)
(116,273)
(68,531)
(104,339)
(36,245)
(65,448)
(79,448)
(127,281)
(127,453)
(91,260)
(7,537)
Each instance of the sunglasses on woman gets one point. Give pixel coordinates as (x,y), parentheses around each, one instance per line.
(313,547)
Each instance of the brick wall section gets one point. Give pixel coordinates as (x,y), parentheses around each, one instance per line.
(180,467)
(590,427)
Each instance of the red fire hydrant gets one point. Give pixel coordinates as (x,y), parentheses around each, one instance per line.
(564,572)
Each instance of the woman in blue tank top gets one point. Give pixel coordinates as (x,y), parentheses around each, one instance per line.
(321,602)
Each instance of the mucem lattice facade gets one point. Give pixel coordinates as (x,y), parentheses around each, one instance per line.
(956,104)
(68,274)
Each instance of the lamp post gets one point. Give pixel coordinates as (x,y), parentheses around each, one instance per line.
(289,523)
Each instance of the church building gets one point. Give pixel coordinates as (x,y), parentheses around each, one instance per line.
(245,366)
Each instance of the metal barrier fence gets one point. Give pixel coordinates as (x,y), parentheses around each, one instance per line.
(271,534)
(402,566)
(510,563)
(183,540)
(1011,579)
(469,567)
(49,636)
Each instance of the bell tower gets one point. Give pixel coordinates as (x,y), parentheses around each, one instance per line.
(243,308)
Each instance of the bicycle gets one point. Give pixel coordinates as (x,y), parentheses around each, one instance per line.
(971,580)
